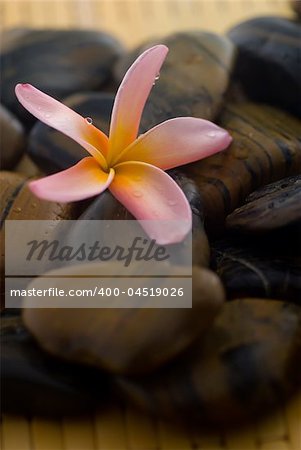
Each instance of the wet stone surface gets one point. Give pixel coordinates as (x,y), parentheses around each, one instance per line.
(51,150)
(12,142)
(269,60)
(266,147)
(123,340)
(193,79)
(267,266)
(33,382)
(246,364)
(80,60)
(18,203)
(273,206)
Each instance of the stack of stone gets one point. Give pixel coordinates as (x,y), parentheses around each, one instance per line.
(237,352)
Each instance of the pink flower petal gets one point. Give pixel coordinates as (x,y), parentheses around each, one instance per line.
(176,142)
(81,181)
(151,195)
(131,97)
(64,119)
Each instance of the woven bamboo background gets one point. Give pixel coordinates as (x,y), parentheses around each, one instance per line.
(135,20)
(120,427)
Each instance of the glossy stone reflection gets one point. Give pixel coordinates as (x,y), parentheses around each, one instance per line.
(267,266)
(18,203)
(273,206)
(78,59)
(269,60)
(266,147)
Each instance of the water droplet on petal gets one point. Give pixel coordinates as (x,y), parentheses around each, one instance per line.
(137,194)
(156,78)
(172,202)
(211,134)
(17,210)
(89,120)
(47,116)
(39,108)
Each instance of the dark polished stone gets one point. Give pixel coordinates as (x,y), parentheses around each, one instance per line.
(51,150)
(12,139)
(269,60)
(59,62)
(122,340)
(266,147)
(261,266)
(35,383)
(273,206)
(19,203)
(247,363)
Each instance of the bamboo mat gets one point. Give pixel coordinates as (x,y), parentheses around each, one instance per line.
(135,20)
(121,427)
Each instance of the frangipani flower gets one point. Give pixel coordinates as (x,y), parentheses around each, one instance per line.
(131,168)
